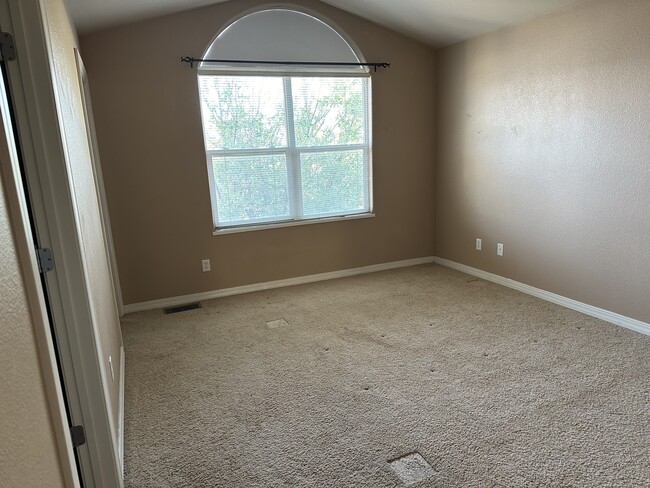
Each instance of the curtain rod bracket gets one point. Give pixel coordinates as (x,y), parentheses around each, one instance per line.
(191,61)
(188,59)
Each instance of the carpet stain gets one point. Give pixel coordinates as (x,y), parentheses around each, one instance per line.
(360,335)
(274,324)
(411,468)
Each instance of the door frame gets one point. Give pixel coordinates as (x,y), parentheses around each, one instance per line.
(27,261)
(99,177)
(52,202)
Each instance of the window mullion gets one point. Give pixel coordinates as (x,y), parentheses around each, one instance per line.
(293,155)
(367,141)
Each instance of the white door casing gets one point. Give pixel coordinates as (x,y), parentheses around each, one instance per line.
(67,213)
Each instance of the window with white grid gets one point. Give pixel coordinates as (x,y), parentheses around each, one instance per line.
(286,148)
(286,110)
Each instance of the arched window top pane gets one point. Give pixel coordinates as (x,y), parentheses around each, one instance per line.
(281,35)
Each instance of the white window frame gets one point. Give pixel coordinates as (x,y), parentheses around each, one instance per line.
(292,153)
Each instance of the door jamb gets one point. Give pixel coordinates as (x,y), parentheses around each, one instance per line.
(24,242)
(44,155)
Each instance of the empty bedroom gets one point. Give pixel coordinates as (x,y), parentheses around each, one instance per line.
(351,243)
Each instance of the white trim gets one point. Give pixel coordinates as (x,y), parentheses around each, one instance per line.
(288,223)
(296,8)
(45,157)
(120,427)
(265,151)
(299,280)
(262,9)
(20,224)
(259,71)
(599,313)
(292,157)
(99,179)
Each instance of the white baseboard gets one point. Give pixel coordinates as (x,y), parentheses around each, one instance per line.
(585,308)
(120,428)
(238,290)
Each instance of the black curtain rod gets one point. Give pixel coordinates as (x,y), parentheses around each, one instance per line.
(191,60)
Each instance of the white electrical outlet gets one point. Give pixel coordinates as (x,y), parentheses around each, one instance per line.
(499,249)
(205,265)
(479,244)
(110,365)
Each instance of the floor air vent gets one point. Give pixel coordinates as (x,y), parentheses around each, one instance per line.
(181,308)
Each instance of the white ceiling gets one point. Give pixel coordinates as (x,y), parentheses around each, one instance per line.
(436,22)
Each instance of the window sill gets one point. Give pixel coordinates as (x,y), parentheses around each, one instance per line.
(292,223)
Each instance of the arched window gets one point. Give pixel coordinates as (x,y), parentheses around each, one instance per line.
(285,142)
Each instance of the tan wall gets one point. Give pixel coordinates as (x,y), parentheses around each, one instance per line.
(87,211)
(544,145)
(28,448)
(149,130)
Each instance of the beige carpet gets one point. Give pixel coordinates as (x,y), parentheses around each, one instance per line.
(491,387)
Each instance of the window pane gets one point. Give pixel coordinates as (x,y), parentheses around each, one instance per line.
(328,111)
(242,112)
(250,189)
(333,183)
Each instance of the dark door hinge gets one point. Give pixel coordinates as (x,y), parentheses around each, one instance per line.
(7,48)
(78,435)
(45,259)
